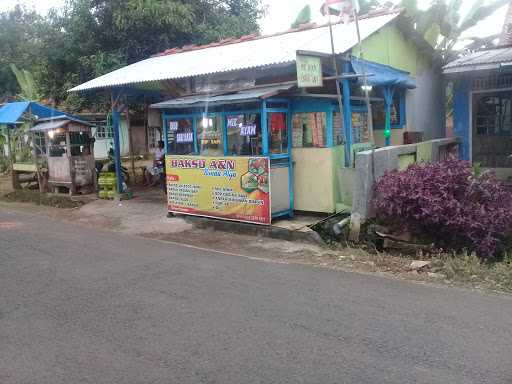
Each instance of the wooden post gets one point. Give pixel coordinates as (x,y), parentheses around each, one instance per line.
(14,175)
(146,126)
(72,172)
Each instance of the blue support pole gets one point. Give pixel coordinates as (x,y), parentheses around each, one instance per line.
(165,134)
(224,127)
(116,117)
(347,116)
(462,123)
(194,130)
(330,128)
(264,128)
(388,102)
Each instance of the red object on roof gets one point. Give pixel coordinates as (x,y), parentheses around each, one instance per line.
(255,36)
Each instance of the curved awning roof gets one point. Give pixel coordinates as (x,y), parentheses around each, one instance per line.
(382,75)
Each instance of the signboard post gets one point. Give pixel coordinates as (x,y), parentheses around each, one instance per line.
(309,71)
(232,188)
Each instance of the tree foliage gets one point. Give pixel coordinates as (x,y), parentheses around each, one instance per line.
(88,38)
(442,24)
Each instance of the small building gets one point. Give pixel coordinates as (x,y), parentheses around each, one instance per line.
(482,107)
(238,101)
(139,133)
(67,151)
(27,149)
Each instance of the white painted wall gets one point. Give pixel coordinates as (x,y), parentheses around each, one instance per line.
(101,146)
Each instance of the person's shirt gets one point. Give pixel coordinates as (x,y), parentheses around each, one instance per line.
(159,154)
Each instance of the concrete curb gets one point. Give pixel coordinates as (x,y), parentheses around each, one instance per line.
(272,232)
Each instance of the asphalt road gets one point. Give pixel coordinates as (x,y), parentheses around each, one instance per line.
(81,305)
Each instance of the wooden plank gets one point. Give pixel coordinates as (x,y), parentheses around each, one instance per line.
(24,167)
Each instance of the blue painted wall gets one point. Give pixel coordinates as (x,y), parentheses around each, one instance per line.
(461,123)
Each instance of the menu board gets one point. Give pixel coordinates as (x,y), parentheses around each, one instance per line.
(233,188)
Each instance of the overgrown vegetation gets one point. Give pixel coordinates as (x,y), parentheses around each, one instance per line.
(88,38)
(34,197)
(449,204)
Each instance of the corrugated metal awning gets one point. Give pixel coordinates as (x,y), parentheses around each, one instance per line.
(243,96)
(489,59)
(254,53)
(49,125)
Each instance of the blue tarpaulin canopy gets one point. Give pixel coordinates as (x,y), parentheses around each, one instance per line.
(382,75)
(11,113)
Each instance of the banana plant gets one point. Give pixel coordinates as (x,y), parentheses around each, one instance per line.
(442,24)
(26,83)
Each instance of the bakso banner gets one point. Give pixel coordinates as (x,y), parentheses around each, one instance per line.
(232,188)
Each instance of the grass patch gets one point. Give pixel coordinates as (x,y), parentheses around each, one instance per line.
(502,273)
(470,269)
(34,197)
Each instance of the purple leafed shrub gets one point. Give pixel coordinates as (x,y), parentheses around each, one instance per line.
(447,203)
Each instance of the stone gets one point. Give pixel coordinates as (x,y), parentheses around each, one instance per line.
(417,265)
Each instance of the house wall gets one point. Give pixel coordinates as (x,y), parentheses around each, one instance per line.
(424,104)
(101,146)
(313,179)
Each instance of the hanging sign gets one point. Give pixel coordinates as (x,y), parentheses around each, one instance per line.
(232,188)
(173,126)
(309,71)
(186,137)
(235,121)
(248,130)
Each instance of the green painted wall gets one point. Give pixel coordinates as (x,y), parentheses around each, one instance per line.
(390,46)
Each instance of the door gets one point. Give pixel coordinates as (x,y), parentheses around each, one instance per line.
(279,150)
(492,129)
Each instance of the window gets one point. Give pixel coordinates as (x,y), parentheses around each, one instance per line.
(379,112)
(180,137)
(278,132)
(309,129)
(79,143)
(494,114)
(154,137)
(57,144)
(244,134)
(39,143)
(104,131)
(209,136)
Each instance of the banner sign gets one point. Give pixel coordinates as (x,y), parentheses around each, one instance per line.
(232,188)
(235,121)
(309,71)
(186,137)
(248,130)
(173,126)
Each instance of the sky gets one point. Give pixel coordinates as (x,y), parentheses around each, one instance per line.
(281,13)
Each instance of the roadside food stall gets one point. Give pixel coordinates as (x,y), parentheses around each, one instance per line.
(67,146)
(242,155)
(228,153)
